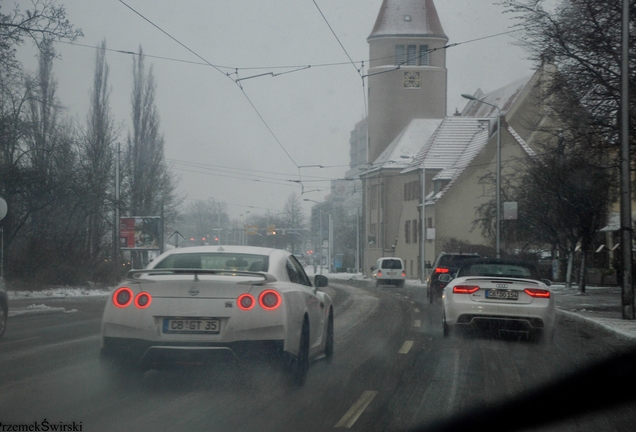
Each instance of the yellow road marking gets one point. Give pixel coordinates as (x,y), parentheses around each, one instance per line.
(357,409)
(406,347)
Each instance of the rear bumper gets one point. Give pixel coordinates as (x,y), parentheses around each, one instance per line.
(149,354)
(539,315)
(512,323)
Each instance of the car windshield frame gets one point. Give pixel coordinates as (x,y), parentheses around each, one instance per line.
(215,261)
(499,268)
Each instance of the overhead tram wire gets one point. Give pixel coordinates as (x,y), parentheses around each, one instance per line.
(296,68)
(241,171)
(227,75)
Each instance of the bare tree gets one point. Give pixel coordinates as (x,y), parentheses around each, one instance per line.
(150,187)
(97,156)
(583,39)
(150,184)
(44,21)
(294,219)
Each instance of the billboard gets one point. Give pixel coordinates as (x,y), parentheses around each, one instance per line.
(140,232)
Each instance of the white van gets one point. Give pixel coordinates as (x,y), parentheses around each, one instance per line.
(389,270)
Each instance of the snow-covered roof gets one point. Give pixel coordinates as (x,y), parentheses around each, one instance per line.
(449,142)
(504,98)
(416,18)
(452,147)
(400,153)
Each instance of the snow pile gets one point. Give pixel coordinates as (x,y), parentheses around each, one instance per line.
(39,309)
(60,292)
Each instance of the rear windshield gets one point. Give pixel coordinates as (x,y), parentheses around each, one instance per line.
(215,261)
(454,260)
(499,270)
(393,264)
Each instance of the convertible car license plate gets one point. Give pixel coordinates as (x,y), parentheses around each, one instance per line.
(502,294)
(203,325)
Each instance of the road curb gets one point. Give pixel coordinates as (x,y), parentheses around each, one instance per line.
(598,323)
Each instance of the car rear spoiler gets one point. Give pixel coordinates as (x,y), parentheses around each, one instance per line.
(136,274)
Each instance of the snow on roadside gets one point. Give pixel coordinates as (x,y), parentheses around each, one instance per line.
(39,309)
(60,292)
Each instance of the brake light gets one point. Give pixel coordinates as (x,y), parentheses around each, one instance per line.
(465,289)
(403,273)
(122,297)
(441,270)
(535,292)
(143,300)
(246,302)
(269,299)
(379,273)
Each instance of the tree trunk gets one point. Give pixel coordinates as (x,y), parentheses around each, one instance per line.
(583,273)
(568,273)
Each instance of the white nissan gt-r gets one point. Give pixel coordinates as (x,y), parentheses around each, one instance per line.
(219,303)
(499,294)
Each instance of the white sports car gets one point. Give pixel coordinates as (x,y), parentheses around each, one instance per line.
(499,294)
(219,303)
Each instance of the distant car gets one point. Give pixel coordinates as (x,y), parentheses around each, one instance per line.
(219,304)
(4,307)
(445,263)
(389,270)
(499,294)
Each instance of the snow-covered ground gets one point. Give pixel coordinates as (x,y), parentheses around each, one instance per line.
(58,292)
(38,310)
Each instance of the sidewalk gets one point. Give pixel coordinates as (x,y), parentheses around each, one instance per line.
(599,305)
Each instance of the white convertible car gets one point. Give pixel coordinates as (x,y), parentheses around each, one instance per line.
(219,303)
(499,294)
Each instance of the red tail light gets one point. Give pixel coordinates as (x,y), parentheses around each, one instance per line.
(465,289)
(269,299)
(441,270)
(122,297)
(403,273)
(143,300)
(535,292)
(246,302)
(379,273)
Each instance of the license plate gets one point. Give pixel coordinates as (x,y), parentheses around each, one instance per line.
(199,325)
(390,273)
(502,294)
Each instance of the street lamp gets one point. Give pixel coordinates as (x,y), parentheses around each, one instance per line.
(498,193)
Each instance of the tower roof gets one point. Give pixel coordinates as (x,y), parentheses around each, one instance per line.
(411,18)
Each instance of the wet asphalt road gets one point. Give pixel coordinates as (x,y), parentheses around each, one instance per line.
(392,370)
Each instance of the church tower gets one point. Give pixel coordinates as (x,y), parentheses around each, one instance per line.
(407,71)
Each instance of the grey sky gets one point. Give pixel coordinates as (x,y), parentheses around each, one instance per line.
(205,117)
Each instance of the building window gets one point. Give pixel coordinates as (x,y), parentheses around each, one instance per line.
(411,190)
(399,54)
(415,239)
(407,231)
(423,57)
(411,55)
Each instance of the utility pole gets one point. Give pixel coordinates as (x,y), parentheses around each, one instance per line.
(627,295)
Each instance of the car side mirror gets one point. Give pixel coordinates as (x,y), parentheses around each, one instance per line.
(446,278)
(428,265)
(320,281)
(372,268)
(548,282)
